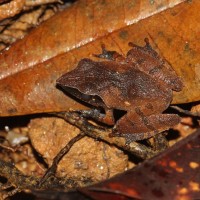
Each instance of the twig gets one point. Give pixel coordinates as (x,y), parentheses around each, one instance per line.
(186,112)
(135,148)
(20,182)
(41,2)
(7,148)
(15,177)
(63,151)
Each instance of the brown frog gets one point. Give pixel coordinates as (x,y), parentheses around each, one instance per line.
(140,84)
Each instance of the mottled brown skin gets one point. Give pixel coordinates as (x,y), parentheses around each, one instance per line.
(140,83)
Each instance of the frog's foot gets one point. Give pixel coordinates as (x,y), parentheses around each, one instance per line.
(141,49)
(95,114)
(147,45)
(139,127)
(109,55)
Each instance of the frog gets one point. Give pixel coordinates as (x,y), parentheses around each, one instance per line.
(140,83)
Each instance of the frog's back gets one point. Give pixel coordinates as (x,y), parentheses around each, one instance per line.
(119,85)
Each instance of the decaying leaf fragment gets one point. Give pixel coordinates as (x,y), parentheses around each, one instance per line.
(11,8)
(96,161)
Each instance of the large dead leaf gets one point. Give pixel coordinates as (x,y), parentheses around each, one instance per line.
(174,174)
(29,68)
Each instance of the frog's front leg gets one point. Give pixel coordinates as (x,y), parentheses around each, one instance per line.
(110,55)
(95,114)
(137,126)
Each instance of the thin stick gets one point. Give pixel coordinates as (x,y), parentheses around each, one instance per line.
(186,112)
(90,130)
(52,170)
(19,181)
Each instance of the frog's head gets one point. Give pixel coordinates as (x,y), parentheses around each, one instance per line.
(79,86)
(148,60)
(78,95)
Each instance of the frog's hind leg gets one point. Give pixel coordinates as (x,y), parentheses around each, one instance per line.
(136,126)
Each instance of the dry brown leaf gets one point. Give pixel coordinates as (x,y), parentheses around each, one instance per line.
(86,159)
(174,174)
(30,67)
(10,8)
